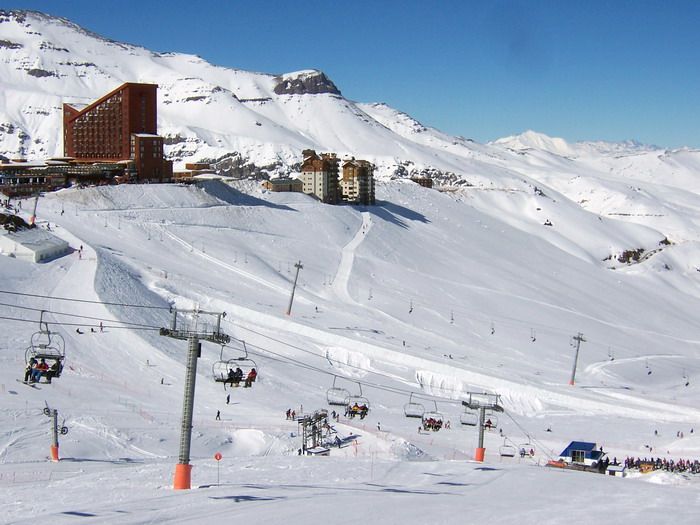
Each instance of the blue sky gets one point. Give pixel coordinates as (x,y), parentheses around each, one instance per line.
(608,70)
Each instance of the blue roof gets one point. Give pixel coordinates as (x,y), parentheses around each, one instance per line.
(586,446)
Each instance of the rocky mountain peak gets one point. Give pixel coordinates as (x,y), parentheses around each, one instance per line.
(307,82)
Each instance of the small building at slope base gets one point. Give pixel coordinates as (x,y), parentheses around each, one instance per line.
(35,245)
(581,453)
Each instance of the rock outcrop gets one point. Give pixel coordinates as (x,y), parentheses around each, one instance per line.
(305,83)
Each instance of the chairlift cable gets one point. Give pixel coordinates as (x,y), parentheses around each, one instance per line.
(372,385)
(376,386)
(74,315)
(86,301)
(79,324)
(539,444)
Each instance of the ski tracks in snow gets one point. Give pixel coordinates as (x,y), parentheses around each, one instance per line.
(342,276)
(230,267)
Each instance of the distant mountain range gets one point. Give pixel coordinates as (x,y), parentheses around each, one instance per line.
(256,123)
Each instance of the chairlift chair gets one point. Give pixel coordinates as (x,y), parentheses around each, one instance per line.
(433,419)
(507,451)
(528,447)
(358,400)
(490,421)
(47,345)
(412,409)
(336,395)
(469,418)
(220,368)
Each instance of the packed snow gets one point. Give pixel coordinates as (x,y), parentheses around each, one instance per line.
(479,287)
(435,293)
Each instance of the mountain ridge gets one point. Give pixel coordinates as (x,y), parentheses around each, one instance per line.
(209,112)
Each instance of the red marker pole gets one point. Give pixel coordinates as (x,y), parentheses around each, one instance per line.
(217,457)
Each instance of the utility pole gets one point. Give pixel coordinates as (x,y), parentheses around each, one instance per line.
(579,339)
(298,266)
(188,330)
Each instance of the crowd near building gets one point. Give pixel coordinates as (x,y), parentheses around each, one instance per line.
(646,465)
(113,139)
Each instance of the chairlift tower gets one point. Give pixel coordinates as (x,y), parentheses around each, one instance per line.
(56,430)
(298,266)
(579,339)
(481,403)
(187,326)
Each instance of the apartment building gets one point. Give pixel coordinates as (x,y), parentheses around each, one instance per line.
(319,176)
(357,183)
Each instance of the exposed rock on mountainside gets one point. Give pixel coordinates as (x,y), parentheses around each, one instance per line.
(305,83)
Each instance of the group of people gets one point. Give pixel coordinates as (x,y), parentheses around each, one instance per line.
(35,370)
(669,465)
(291,414)
(356,410)
(236,376)
(435,424)
(432,424)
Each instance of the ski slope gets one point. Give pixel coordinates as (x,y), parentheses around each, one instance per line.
(435,293)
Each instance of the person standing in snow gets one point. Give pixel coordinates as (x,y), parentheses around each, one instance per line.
(218,415)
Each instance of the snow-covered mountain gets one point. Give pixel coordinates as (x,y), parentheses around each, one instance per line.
(259,122)
(478,287)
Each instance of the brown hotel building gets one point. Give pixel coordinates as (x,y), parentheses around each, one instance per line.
(119,127)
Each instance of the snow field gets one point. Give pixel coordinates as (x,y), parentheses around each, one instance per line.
(419,246)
